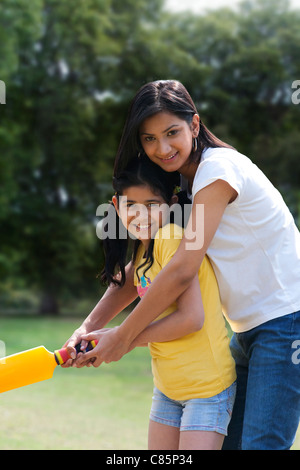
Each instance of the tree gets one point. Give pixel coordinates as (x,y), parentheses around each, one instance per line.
(70,74)
(59,130)
(51,143)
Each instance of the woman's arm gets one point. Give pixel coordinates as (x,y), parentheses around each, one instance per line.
(113,302)
(188,318)
(176,276)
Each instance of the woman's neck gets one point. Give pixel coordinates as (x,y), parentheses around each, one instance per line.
(188,171)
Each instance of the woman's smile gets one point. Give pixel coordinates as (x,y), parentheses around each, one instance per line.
(168,141)
(171,158)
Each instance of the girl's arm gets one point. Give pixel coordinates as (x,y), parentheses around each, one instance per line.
(176,276)
(113,302)
(188,318)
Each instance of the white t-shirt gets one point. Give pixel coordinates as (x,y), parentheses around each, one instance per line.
(256,249)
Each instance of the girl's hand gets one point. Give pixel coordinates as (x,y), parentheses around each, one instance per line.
(75,339)
(110,347)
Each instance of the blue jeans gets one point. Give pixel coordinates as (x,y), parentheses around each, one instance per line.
(267,406)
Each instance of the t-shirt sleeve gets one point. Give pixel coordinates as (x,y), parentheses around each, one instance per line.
(166,243)
(222,164)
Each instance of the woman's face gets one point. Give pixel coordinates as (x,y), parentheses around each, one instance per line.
(168,140)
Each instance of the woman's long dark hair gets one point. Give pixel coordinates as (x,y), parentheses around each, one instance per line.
(154,97)
(140,172)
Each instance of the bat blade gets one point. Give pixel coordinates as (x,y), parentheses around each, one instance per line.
(25,368)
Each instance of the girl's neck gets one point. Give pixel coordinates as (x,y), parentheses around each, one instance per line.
(145,244)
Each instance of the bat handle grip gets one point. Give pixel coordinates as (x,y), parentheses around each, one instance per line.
(61,355)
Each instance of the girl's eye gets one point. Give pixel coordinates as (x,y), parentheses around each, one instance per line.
(149,139)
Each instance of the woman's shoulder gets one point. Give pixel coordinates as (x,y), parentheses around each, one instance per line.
(224,164)
(221,152)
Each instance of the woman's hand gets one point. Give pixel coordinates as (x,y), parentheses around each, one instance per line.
(110,348)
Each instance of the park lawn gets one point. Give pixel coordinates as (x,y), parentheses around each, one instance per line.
(105,408)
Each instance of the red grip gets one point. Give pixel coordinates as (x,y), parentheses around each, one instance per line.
(61,355)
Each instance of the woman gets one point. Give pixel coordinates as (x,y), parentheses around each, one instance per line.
(254,246)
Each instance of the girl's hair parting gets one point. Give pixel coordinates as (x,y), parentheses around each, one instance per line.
(140,172)
(155,97)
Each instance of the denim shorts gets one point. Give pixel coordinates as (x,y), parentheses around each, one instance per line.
(197,414)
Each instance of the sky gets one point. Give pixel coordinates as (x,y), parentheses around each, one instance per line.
(200,5)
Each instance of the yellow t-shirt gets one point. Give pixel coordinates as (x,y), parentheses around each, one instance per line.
(198,365)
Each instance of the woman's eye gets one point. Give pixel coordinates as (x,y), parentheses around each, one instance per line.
(149,139)
(173,132)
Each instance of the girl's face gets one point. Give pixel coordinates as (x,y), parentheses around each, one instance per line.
(168,140)
(142,212)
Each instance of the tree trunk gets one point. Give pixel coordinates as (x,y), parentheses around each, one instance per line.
(49,304)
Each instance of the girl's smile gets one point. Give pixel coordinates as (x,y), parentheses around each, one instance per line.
(142,212)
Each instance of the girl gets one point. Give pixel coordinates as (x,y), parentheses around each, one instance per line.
(194,372)
(254,246)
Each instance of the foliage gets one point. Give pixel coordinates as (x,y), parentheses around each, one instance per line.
(70,73)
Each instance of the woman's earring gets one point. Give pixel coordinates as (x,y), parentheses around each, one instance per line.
(195,144)
(139,155)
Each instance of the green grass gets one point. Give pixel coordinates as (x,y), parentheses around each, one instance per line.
(105,408)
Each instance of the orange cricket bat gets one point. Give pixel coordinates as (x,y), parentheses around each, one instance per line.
(32,366)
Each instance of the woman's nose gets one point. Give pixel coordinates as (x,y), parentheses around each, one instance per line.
(163,148)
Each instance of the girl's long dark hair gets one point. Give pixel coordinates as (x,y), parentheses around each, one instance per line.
(140,172)
(154,97)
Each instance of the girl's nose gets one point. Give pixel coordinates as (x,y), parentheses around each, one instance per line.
(138,212)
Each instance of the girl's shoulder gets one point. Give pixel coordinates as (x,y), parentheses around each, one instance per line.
(169,232)
(166,243)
